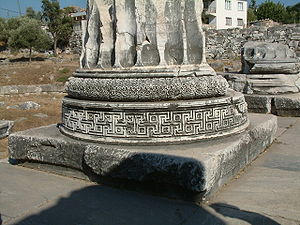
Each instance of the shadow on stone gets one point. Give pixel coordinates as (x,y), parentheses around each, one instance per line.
(250,217)
(103,205)
(173,177)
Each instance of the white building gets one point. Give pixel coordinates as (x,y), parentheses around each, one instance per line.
(224,14)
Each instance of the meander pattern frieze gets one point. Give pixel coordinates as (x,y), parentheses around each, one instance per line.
(155,124)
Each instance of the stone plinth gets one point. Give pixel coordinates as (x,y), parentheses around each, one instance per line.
(195,168)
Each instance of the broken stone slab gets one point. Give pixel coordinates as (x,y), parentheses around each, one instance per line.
(5,128)
(41,115)
(263,83)
(275,67)
(199,167)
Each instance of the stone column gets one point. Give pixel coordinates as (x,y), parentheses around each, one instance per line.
(144,78)
(134,33)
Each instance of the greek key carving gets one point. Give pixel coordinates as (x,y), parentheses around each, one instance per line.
(151,124)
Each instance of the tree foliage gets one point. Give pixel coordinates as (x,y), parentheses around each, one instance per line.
(251,17)
(6,26)
(294,13)
(252,4)
(3,33)
(273,11)
(278,13)
(29,35)
(31,13)
(59,23)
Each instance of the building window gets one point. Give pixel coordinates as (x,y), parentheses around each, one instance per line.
(240,6)
(228,21)
(228,4)
(240,22)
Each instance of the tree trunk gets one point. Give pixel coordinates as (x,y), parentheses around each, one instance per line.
(30,54)
(55,47)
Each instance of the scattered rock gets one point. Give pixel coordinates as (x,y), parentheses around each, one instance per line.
(29,105)
(12,107)
(20,119)
(41,115)
(5,128)
(51,77)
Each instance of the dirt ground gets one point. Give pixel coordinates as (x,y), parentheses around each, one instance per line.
(41,71)
(48,113)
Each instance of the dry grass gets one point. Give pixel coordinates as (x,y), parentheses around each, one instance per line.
(37,72)
(26,119)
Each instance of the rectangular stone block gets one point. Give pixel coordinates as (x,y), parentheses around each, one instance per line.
(258,103)
(287,105)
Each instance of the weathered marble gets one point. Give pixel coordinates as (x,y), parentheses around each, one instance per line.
(268,69)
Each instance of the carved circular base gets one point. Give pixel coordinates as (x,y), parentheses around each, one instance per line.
(144,85)
(154,122)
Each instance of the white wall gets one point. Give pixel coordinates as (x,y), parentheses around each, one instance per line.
(234,13)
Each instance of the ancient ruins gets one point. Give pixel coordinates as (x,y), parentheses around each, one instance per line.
(146,107)
(268,69)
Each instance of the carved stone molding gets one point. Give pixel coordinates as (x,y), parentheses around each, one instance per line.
(154,122)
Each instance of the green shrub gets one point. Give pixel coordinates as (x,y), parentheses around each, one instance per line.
(64,70)
(63,79)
